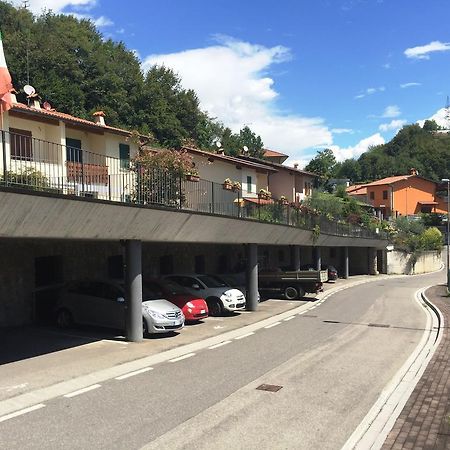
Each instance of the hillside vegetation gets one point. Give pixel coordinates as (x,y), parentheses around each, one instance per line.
(78,71)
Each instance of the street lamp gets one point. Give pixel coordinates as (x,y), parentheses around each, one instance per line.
(447,180)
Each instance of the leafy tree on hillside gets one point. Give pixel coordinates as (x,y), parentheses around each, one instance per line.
(323,163)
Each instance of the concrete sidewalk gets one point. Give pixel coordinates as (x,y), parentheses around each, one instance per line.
(424,422)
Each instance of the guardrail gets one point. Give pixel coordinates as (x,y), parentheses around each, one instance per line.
(45,166)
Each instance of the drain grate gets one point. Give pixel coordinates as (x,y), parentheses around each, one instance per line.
(379,325)
(269,387)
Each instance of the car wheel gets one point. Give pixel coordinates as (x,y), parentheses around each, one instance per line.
(290,293)
(64,318)
(144,328)
(215,307)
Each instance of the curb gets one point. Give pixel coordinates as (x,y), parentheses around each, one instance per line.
(378,422)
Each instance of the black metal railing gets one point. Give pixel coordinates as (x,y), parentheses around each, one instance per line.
(39,165)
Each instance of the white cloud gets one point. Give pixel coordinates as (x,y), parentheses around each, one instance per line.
(342,130)
(357,150)
(370,91)
(391,111)
(99,22)
(57,6)
(395,124)
(423,51)
(407,85)
(441,117)
(232,84)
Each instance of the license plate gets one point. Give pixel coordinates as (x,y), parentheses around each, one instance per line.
(203,311)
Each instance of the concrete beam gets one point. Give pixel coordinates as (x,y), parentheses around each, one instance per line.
(372,255)
(295,257)
(346,263)
(318,258)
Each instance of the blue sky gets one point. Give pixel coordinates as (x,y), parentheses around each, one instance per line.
(305,74)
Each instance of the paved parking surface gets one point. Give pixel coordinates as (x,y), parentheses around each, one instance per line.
(35,357)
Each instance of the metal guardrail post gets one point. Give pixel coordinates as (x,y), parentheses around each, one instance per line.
(5,169)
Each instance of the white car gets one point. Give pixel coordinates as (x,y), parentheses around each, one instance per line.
(218,295)
(94,302)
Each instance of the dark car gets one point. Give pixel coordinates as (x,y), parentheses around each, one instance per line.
(332,271)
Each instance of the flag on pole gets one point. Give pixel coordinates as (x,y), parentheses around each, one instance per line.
(5,82)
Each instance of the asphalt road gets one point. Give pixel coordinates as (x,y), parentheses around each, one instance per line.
(332,363)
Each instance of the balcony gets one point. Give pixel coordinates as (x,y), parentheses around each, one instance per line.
(89,174)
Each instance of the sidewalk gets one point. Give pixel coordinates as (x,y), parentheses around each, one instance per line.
(424,422)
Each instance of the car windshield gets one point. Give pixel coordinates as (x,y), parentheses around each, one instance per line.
(212,281)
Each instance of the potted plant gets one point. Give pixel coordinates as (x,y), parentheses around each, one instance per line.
(192,175)
(236,186)
(264,194)
(283,201)
(227,184)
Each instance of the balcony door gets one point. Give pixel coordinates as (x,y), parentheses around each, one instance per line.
(73,150)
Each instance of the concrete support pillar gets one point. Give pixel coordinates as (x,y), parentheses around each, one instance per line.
(346,263)
(252,277)
(295,257)
(133,256)
(318,258)
(372,254)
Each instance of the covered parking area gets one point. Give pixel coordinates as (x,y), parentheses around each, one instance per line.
(47,240)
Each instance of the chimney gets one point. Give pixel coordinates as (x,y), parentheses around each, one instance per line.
(413,171)
(99,117)
(296,166)
(13,93)
(34,99)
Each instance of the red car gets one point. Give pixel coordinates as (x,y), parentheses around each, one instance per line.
(194,308)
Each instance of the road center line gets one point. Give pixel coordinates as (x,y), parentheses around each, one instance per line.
(273,325)
(289,318)
(244,335)
(188,355)
(132,374)
(219,345)
(82,391)
(22,411)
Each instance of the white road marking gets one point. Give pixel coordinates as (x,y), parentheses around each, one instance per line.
(273,325)
(244,336)
(132,374)
(188,355)
(219,345)
(289,318)
(22,411)
(112,341)
(303,312)
(82,391)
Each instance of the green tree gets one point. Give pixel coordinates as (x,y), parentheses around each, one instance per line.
(323,164)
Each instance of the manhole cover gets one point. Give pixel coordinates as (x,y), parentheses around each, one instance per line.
(379,325)
(331,321)
(269,387)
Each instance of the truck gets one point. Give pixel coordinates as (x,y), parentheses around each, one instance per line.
(291,284)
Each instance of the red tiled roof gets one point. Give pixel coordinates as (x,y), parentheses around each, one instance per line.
(357,189)
(390,180)
(66,118)
(231,159)
(259,201)
(272,153)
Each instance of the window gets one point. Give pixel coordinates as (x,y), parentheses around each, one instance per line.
(21,144)
(372,195)
(249,183)
(73,150)
(385,195)
(124,155)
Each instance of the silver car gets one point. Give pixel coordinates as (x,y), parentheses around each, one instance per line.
(94,302)
(218,295)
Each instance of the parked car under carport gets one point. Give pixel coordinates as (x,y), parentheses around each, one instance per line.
(102,303)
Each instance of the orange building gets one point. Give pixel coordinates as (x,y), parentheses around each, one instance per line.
(404,195)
